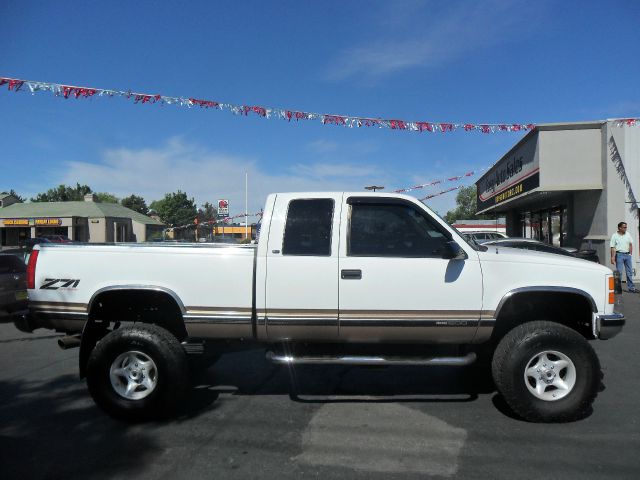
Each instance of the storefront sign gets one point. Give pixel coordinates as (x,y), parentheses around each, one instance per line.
(16,222)
(48,222)
(223,208)
(515,174)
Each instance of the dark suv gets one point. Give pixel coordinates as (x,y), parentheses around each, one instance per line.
(13,288)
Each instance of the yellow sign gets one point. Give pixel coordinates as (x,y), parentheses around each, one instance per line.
(48,221)
(18,222)
(507,194)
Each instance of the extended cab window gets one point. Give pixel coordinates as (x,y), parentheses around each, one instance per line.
(308,228)
(393,230)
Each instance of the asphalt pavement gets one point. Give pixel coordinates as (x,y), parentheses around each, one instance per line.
(247,418)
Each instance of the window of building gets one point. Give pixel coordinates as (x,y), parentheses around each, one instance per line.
(308,228)
(393,230)
(548,226)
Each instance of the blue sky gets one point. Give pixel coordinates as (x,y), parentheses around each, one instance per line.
(466,61)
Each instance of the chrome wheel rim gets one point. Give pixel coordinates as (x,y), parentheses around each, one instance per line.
(133,375)
(550,375)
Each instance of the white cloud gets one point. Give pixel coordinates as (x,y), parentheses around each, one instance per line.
(208,175)
(336,170)
(328,148)
(322,146)
(432,35)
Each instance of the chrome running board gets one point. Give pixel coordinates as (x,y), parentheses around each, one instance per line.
(468,359)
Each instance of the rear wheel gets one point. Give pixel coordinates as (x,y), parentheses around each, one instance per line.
(546,372)
(138,372)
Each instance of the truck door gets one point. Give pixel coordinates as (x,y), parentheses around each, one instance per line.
(302,268)
(395,286)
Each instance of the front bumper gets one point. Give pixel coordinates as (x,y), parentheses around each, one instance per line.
(608,326)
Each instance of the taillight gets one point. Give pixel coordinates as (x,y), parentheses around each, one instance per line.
(31,270)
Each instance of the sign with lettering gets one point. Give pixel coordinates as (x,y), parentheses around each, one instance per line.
(16,222)
(47,222)
(223,208)
(515,174)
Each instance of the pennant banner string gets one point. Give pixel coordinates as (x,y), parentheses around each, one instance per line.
(440,193)
(221,220)
(71,91)
(443,180)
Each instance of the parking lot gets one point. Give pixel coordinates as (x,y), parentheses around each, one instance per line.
(247,418)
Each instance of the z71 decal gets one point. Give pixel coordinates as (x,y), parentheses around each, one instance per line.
(56,283)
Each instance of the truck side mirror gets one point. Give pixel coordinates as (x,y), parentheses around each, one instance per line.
(453,251)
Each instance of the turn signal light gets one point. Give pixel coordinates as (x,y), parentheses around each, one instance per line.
(612,298)
(612,283)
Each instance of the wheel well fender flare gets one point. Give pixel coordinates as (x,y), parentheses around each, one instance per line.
(544,289)
(149,288)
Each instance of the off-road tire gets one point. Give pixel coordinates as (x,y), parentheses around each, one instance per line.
(172,375)
(516,349)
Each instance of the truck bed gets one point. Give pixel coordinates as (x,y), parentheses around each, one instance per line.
(212,284)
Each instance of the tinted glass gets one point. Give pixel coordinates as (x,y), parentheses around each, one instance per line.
(393,230)
(11,264)
(308,228)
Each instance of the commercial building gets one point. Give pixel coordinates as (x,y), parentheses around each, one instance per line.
(568,185)
(84,221)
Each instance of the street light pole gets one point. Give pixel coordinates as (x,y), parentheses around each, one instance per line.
(246,203)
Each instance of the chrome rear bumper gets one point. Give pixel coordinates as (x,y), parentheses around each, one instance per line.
(608,326)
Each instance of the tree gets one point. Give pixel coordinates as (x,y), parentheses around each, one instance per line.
(176,209)
(135,203)
(13,192)
(105,197)
(63,193)
(207,213)
(466,206)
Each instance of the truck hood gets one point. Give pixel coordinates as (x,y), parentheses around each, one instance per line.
(516,255)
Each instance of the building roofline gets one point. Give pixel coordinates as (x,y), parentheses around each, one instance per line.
(545,127)
(82,209)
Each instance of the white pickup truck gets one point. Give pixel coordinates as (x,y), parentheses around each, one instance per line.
(336,278)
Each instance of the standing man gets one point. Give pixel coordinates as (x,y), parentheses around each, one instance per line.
(621,250)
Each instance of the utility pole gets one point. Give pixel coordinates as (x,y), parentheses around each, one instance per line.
(246,204)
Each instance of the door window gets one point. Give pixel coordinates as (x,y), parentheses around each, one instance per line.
(308,228)
(393,230)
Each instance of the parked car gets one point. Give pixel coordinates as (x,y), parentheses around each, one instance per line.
(31,242)
(57,238)
(538,246)
(13,288)
(482,237)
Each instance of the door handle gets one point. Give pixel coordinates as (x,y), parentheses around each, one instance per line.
(351,274)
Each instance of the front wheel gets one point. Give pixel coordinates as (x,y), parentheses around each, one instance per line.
(138,372)
(546,372)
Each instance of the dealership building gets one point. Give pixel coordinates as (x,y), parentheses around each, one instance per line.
(83,221)
(568,185)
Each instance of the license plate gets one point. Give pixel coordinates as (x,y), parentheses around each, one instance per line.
(22,295)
